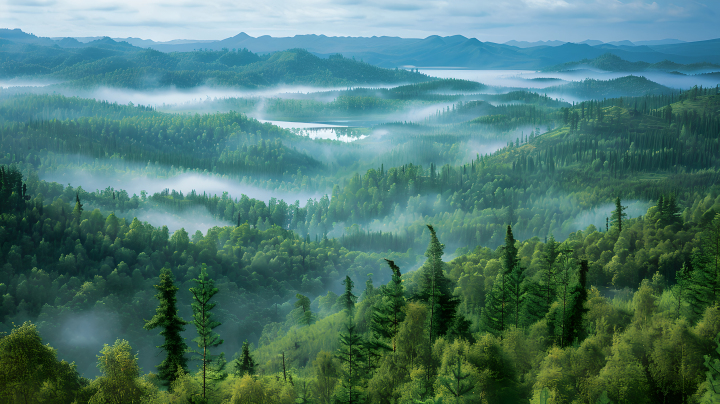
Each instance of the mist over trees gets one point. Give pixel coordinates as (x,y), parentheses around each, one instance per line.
(503,247)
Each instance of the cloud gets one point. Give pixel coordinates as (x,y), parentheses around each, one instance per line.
(498,21)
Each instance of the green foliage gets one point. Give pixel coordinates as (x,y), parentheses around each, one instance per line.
(167,318)
(204,323)
(245,364)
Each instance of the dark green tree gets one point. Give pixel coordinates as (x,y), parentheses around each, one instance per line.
(577,306)
(305,316)
(619,214)
(389,313)
(457,384)
(436,289)
(245,364)
(204,323)
(172,325)
(78,209)
(347,300)
(701,287)
(351,355)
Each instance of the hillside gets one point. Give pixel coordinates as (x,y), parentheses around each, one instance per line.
(108,63)
(613,63)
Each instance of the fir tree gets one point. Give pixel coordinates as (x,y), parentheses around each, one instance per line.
(77,211)
(436,289)
(619,214)
(245,364)
(205,324)
(700,292)
(460,383)
(167,318)
(577,307)
(352,378)
(347,300)
(389,313)
(305,316)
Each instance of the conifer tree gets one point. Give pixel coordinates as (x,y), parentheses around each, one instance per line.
(550,254)
(534,305)
(347,300)
(305,317)
(245,364)
(436,289)
(205,324)
(458,384)
(499,302)
(77,211)
(577,307)
(351,355)
(619,214)
(388,315)
(167,318)
(700,292)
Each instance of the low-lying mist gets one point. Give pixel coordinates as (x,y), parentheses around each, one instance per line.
(201,183)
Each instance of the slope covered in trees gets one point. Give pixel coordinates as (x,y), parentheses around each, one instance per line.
(575,261)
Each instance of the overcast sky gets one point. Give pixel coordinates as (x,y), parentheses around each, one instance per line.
(496,20)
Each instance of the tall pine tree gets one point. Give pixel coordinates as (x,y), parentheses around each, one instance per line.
(167,318)
(436,289)
(205,324)
(389,313)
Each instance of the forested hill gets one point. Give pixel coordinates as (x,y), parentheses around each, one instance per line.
(614,63)
(119,64)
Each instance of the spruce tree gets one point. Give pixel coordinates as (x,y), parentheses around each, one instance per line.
(436,289)
(167,318)
(347,300)
(245,364)
(388,315)
(352,378)
(78,209)
(619,214)
(304,316)
(205,324)
(577,307)
(701,290)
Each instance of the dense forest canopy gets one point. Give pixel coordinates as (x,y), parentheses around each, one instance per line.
(472,244)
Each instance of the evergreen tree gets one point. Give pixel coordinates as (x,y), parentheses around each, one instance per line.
(167,318)
(534,304)
(577,307)
(347,300)
(205,324)
(77,211)
(701,288)
(389,313)
(550,253)
(352,377)
(680,289)
(458,384)
(670,213)
(436,289)
(305,316)
(245,364)
(619,214)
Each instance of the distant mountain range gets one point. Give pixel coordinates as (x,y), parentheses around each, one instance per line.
(431,52)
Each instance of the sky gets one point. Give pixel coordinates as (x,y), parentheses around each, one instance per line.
(494,21)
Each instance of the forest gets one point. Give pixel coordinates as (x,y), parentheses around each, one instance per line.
(471,243)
